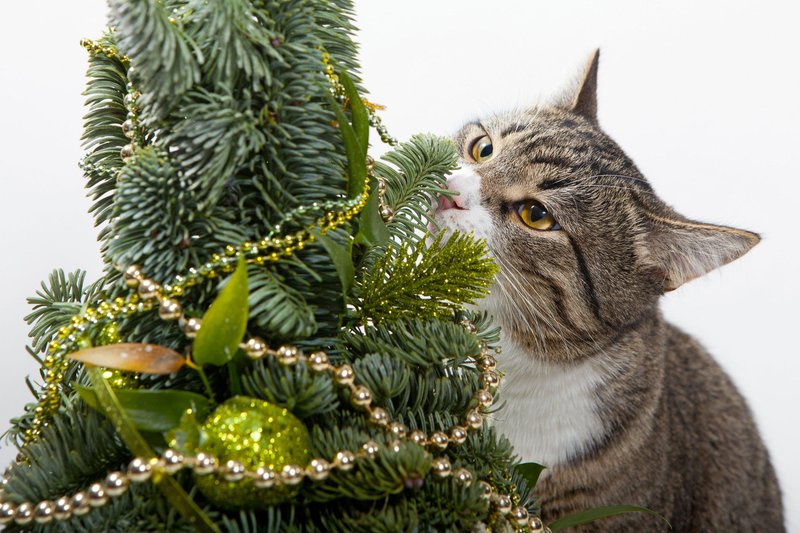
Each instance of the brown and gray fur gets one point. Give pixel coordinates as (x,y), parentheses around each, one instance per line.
(657,422)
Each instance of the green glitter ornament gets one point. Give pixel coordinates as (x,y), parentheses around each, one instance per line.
(255,433)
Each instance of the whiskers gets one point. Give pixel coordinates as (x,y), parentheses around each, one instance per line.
(524,308)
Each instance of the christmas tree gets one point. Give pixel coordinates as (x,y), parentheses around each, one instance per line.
(277,344)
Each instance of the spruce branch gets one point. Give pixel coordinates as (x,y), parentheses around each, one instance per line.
(214,136)
(415,181)
(412,280)
(166,61)
(237,39)
(279,311)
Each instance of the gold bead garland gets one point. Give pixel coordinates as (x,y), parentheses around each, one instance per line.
(109,51)
(318,469)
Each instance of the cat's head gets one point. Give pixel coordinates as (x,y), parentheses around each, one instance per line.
(584,244)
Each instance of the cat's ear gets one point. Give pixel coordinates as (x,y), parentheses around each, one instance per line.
(681,249)
(584,100)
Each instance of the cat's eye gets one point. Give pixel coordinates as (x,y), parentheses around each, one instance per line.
(535,215)
(482,149)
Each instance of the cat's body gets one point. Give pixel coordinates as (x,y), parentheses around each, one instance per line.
(622,407)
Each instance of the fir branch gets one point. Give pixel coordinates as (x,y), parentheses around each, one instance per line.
(422,166)
(423,343)
(419,281)
(279,312)
(236,40)
(53,468)
(214,136)
(302,392)
(165,60)
(58,300)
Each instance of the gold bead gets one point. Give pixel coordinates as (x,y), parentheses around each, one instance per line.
(370,449)
(139,470)
(484,398)
(379,416)
(97,495)
(233,471)
(7,511)
(520,515)
(319,361)
(503,503)
(458,434)
(463,476)
(192,326)
(387,212)
(439,440)
(370,163)
(256,348)
(62,508)
(441,467)
(170,309)
(287,354)
(43,514)
(490,379)
(116,484)
(24,514)
(398,429)
(344,375)
(487,363)
(381,186)
(344,460)
(469,325)
(265,478)
(360,396)
(172,461)
(129,129)
(230,251)
(318,469)
(80,503)
(132,276)
(291,475)
(474,419)
(126,153)
(535,524)
(204,464)
(148,289)
(417,437)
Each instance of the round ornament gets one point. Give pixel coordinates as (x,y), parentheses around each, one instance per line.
(252,433)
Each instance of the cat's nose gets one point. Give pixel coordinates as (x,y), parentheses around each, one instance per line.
(465,185)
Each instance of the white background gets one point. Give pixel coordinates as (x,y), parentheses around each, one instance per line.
(703,95)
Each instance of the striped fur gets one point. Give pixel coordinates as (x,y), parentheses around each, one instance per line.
(623,407)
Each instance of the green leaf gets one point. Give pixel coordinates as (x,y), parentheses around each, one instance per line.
(342,259)
(358,112)
(590,515)
(174,493)
(152,410)
(356,156)
(530,471)
(225,322)
(372,229)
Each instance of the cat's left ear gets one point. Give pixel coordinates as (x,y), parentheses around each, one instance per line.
(584,101)
(682,250)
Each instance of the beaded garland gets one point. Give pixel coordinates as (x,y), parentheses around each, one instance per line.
(150,295)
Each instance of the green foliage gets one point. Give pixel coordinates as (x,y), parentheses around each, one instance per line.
(166,61)
(152,410)
(278,309)
(225,321)
(412,280)
(415,177)
(591,515)
(234,132)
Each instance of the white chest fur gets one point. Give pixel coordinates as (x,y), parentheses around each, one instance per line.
(550,411)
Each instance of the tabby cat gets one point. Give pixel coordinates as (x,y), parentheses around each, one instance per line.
(621,406)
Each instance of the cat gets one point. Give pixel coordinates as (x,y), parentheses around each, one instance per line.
(621,406)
